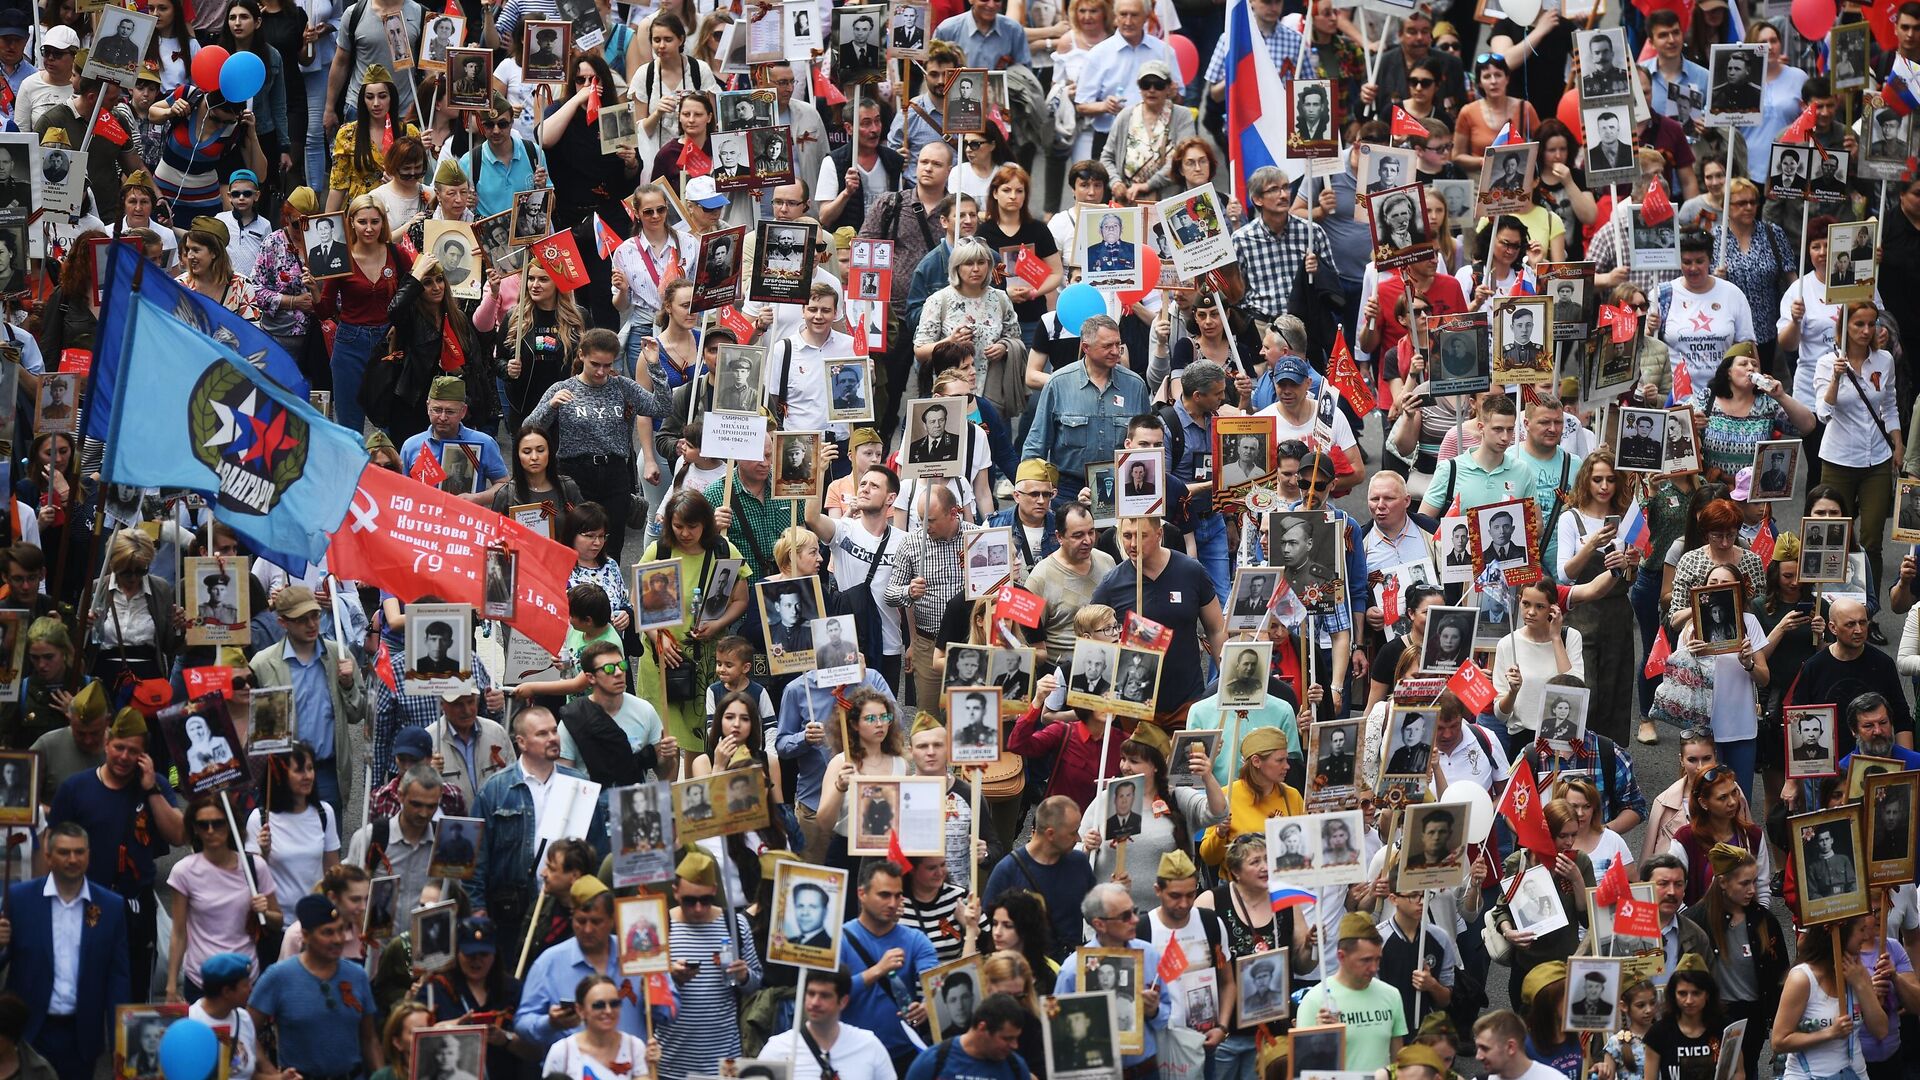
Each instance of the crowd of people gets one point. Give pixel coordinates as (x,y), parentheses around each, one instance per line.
(1642,441)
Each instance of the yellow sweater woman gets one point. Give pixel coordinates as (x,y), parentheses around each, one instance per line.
(1261,792)
(360,146)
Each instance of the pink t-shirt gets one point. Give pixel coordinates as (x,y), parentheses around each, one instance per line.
(219,904)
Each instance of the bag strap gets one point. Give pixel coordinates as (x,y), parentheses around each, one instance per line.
(867,959)
(827,1071)
(1840,362)
(878,553)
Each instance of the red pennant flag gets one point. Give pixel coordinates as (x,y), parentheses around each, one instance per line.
(859,332)
(742,327)
(1801,130)
(604,238)
(206,680)
(560,255)
(108,128)
(453,8)
(1624,321)
(1614,885)
(593,101)
(1763,542)
(1173,961)
(896,854)
(383,665)
(382,544)
(694,161)
(1520,805)
(452,356)
(1390,600)
(426,467)
(1682,381)
(1344,374)
(1472,687)
(1636,918)
(1657,209)
(1657,656)
(824,92)
(1407,125)
(658,992)
(78,361)
(1032,269)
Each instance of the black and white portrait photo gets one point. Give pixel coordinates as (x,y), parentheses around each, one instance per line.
(1521,353)
(1775,461)
(1848,54)
(966,104)
(950,992)
(1252,597)
(836,644)
(1502,535)
(546,53)
(1887,144)
(743,110)
(438,34)
(456,847)
(910,29)
(1609,140)
(805,927)
(1310,115)
(1460,345)
(204,743)
(1593,993)
(1336,747)
(861,56)
(1829,183)
(1091,677)
(975,718)
(63,174)
(934,428)
(772,154)
(1082,1038)
(787,610)
(968,665)
(498,591)
(1681,450)
(739,378)
(1136,681)
(1563,716)
(1605,75)
(850,390)
(1787,172)
(218,605)
(1718,627)
(1401,235)
(1640,446)
(532,215)
(456,251)
(326,242)
(1827,861)
(1409,741)
(1810,741)
(1449,639)
(1733,83)
(1265,986)
(1243,673)
(783,263)
(1306,549)
(616,128)
(469,80)
(797,472)
(433,936)
(1320,1048)
(716,278)
(119,41)
(1536,907)
(1243,459)
(439,642)
(1384,168)
(1123,800)
(1013,673)
(1831,870)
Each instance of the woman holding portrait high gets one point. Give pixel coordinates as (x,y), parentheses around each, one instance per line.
(1588,548)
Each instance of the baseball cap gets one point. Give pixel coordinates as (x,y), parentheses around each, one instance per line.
(1291,369)
(1742,485)
(1155,69)
(476,936)
(459,690)
(701,190)
(62,38)
(295,601)
(13,23)
(413,742)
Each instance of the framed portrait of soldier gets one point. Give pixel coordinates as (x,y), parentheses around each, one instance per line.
(657,588)
(1852,261)
(1318,1049)
(378,922)
(909,28)
(470,79)
(787,611)
(1402,234)
(120,37)
(138,1032)
(720,803)
(796,472)
(1382,169)
(1118,807)
(973,719)
(1571,298)
(804,927)
(1592,999)
(1244,449)
(1825,544)
(641,923)
(1013,672)
(63,178)
(1180,770)
(965,112)
(1251,598)
(1535,905)
(1718,623)
(1886,143)
(1507,178)
(1606,74)
(968,665)
(1460,346)
(1563,717)
(1906,511)
(219,603)
(1100,486)
(836,650)
(532,215)
(1081,1036)
(1243,674)
(1143,482)
(1503,536)
(1449,639)
(743,110)
(205,747)
(1522,330)
(850,390)
(716,277)
(1828,864)
(1108,244)
(1861,766)
(1787,172)
(783,262)
(1136,682)
(950,993)
(1888,805)
(324,236)
(439,643)
(399,40)
(1308,550)
(1090,677)
(771,150)
(1409,745)
(1812,741)
(1334,747)
(456,847)
(1829,181)
(1775,462)
(935,427)
(547,43)
(1120,972)
(1733,84)
(1434,854)
(617,129)
(433,936)
(1265,986)
(1312,129)
(1196,227)
(1641,443)
(1848,55)
(270,719)
(640,820)
(860,54)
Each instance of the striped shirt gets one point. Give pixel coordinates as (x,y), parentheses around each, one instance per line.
(708,1001)
(190,169)
(935,918)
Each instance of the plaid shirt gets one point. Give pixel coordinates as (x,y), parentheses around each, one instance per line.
(385,800)
(1283,45)
(939,562)
(1608,250)
(1272,262)
(757,523)
(1626,789)
(395,711)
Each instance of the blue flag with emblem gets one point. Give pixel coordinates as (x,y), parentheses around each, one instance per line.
(206,315)
(191,413)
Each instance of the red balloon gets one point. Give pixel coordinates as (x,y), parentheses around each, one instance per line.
(1187,55)
(1149,276)
(1569,113)
(206,67)
(1813,18)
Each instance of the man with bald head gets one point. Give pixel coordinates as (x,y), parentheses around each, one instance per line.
(1849,667)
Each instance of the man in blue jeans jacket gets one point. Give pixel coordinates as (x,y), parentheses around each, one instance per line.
(504,877)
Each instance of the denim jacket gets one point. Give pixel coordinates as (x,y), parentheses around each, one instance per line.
(504,879)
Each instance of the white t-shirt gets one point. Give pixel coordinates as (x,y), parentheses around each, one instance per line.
(1734,717)
(1306,433)
(300,846)
(240,1022)
(1611,849)
(874,181)
(1193,941)
(853,553)
(857,1054)
(1699,327)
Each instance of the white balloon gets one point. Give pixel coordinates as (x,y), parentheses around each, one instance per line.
(1522,12)
(1479,805)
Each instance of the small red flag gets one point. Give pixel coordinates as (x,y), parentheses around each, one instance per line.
(1682,381)
(1614,885)
(658,992)
(1520,805)
(1801,130)
(824,92)
(560,255)
(426,467)
(383,665)
(859,332)
(742,327)
(1173,961)
(1624,321)
(1472,687)
(1344,374)
(1032,269)
(896,854)
(453,8)
(1657,209)
(452,356)
(206,680)
(1657,656)
(1636,918)
(1407,125)
(108,128)
(1763,542)
(694,161)
(604,238)
(593,101)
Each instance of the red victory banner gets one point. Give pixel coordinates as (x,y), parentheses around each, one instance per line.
(411,540)
(1343,373)
(1636,918)
(426,467)
(1472,687)
(1520,805)
(560,255)
(1021,606)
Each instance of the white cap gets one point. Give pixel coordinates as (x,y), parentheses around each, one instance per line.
(701,190)
(60,37)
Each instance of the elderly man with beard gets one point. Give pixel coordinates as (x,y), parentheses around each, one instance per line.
(1870,719)
(1849,667)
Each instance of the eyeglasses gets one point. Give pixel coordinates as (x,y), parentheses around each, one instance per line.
(975,144)
(1746,202)
(1123,916)
(1488,58)
(243,193)
(650,211)
(210,824)
(881,718)
(496,125)
(614,668)
(414,177)
(1034,494)
(1419,83)
(697,901)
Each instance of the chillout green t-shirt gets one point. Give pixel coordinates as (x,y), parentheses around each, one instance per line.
(1373,1017)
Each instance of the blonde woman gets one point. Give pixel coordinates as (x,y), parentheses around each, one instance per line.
(207,270)
(135,620)
(358,303)
(543,329)
(1260,792)
(1601,845)
(1009,973)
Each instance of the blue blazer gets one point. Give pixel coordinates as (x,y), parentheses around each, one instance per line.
(103,979)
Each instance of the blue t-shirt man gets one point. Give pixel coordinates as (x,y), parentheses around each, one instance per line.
(318,1022)
(880,1006)
(116,820)
(493,467)
(960,1065)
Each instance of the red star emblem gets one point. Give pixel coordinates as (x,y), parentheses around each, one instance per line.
(1703,321)
(268,438)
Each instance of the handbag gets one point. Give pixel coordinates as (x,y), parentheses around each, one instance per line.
(682,679)
(1499,949)
(1066,118)
(379,385)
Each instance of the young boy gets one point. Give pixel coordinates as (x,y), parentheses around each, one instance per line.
(226,981)
(732,670)
(590,614)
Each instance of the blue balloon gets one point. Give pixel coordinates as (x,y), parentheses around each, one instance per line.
(242,76)
(189,1050)
(1078,303)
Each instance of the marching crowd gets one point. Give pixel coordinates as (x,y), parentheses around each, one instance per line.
(1635,484)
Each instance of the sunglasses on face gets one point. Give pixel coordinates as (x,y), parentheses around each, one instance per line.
(1418,83)
(1154,82)
(495,125)
(614,668)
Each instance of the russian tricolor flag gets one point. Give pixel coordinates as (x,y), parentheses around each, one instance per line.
(1256,115)
(1898,91)
(1286,896)
(1506,136)
(1633,528)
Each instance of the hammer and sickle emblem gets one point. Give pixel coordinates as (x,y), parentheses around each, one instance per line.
(367,519)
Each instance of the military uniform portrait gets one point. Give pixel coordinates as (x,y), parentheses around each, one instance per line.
(974,716)
(1521,353)
(1604,73)
(1640,445)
